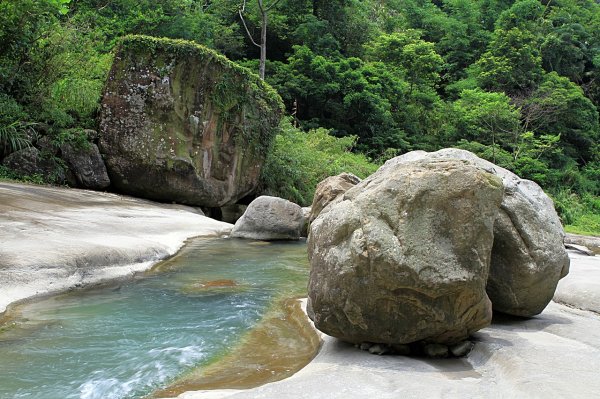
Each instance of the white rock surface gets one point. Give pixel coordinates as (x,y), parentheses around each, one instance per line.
(53,239)
(553,355)
(581,288)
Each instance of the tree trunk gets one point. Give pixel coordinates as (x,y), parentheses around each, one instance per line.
(263,46)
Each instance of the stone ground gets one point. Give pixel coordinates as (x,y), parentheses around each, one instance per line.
(53,239)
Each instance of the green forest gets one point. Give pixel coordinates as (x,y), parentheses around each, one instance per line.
(516,82)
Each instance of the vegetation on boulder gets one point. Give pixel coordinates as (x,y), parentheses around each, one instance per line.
(182,123)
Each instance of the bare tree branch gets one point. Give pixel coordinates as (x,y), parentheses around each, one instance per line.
(241,12)
(273,5)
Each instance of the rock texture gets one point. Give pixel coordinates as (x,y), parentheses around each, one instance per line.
(270,218)
(87,166)
(55,239)
(181,123)
(528,257)
(404,255)
(31,161)
(330,189)
(592,243)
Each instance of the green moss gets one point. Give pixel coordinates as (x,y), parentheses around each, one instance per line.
(229,91)
(153,45)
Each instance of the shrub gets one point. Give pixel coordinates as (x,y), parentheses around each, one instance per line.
(300,160)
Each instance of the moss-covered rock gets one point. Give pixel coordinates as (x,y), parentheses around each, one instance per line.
(182,123)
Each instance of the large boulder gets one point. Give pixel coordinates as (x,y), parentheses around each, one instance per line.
(330,189)
(87,165)
(181,123)
(528,258)
(404,255)
(270,218)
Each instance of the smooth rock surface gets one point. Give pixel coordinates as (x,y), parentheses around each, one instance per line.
(580,249)
(53,239)
(581,288)
(404,256)
(592,243)
(270,218)
(330,189)
(528,258)
(553,355)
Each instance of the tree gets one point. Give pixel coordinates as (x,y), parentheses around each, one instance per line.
(487,118)
(512,62)
(264,20)
(558,106)
(414,56)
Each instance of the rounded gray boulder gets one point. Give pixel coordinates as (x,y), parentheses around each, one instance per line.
(528,257)
(270,218)
(404,255)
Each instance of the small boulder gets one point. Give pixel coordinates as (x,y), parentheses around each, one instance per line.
(330,189)
(404,255)
(87,165)
(270,218)
(462,348)
(435,350)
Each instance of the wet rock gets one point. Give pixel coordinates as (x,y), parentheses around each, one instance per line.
(404,255)
(270,218)
(330,189)
(180,123)
(213,286)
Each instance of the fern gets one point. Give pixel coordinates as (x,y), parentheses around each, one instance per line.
(14,136)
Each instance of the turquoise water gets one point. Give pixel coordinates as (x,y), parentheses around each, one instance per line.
(125,341)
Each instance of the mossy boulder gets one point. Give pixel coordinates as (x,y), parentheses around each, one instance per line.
(181,123)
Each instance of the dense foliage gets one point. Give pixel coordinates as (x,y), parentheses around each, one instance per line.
(517,82)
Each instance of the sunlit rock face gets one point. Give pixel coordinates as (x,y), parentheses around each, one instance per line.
(329,190)
(404,255)
(528,257)
(270,219)
(417,251)
(181,123)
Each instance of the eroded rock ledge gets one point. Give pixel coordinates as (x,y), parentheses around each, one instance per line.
(53,239)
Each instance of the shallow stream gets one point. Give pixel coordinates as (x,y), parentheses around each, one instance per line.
(127,340)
